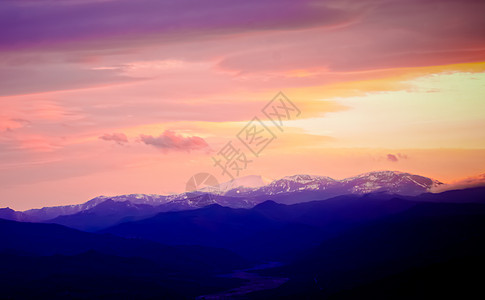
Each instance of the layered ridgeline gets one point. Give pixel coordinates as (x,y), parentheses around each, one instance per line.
(324,248)
(244,192)
(346,246)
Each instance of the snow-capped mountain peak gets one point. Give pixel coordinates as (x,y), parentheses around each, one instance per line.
(389,181)
(245,192)
(245,183)
(376,181)
(250,181)
(303,178)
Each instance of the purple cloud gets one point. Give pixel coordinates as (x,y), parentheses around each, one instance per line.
(48,23)
(392,157)
(91,33)
(169,140)
(119,138)
(42,78)
(396,157)
(9,124)
(402,33)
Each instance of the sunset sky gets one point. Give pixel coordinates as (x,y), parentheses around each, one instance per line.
(108,97)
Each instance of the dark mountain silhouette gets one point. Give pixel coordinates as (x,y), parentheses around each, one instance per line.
(331,245)
(52,239)
(475,194)
(53,261)
(244,231)
(334,248)
(105,214)
(10,214)
(47,213)
(95,275)
(426,234)
(269,230)
(452,279)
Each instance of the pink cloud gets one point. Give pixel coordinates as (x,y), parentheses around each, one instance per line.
(396,157)
(119,138)
(392,157)
(169,140)
(35,78)
(8,124)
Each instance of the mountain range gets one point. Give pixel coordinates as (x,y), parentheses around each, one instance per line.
(245,192)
